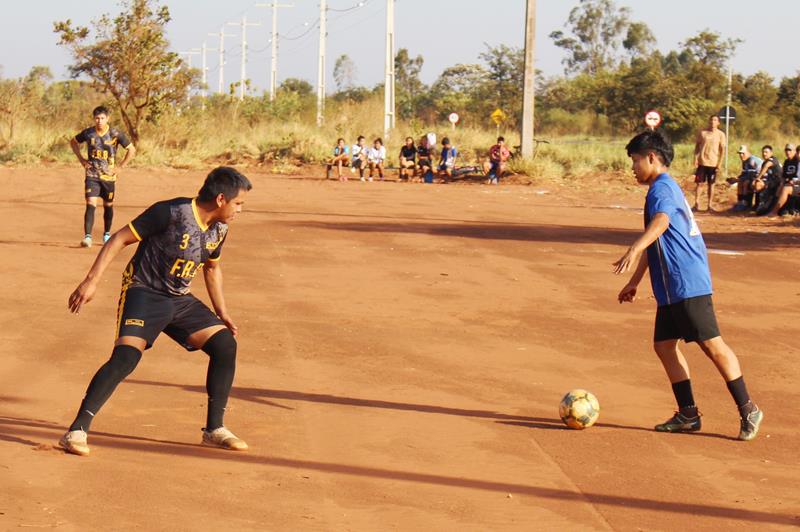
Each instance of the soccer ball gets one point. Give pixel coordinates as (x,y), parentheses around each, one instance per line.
(579,409)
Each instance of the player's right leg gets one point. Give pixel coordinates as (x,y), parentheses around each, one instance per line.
(92,193)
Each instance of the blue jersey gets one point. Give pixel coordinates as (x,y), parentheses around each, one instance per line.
(677,260)
(751,166)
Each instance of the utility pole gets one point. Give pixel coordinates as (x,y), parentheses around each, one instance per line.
(188,54)
(323,8)
(221,50)
(204,50)
(273,73)
(243,76)
(530,74)
(388,83)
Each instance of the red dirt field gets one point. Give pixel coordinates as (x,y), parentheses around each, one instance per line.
(403,350)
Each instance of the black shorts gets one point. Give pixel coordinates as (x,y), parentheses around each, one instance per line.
(692,319)
(425,163)
(358,163)
(99,188)
(705,173)
(145,313)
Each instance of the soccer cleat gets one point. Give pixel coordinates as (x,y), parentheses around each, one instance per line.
(87,241)
(750,424)
(224,439)
(74,442)
(680,423)
(106,237)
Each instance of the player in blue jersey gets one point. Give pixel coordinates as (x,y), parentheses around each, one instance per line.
(681,280)
(101,141)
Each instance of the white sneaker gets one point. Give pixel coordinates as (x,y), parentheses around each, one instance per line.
(86,242)
(74,441)
(223,438)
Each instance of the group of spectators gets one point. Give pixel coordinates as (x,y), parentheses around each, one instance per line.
(765,186)
(415,162)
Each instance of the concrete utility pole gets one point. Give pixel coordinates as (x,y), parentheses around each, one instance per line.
(323,8)
(188,54)
(204,50)
(273,73)
(243,77)
(221,50)
(728,116)
(388,84)
(530,74)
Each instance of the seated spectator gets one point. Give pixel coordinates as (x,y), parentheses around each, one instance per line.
(359,153)
(750,168)
(495,167)
(408,159)
(341,157)
(447,160)
(376,157)
(425,159)
(791,180)
(768,181)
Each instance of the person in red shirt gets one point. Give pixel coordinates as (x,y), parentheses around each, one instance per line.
(495,167)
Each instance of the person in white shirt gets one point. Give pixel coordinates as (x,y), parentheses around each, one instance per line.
(375,158)
(359,153)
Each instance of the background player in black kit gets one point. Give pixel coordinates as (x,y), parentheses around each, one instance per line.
(100,164)
(177,238)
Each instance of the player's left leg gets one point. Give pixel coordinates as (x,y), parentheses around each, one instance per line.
(711,181)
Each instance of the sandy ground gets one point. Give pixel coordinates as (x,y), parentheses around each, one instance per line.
(403,351)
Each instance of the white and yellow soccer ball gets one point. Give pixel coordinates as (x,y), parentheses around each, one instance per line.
(579,409)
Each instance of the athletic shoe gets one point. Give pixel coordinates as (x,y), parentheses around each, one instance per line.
(680,423)
(750,424)
(223,438)
(106,237)
(74,441)
(87,241)
(363,178)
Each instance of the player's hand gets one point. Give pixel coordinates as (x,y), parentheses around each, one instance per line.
(628,293)
(82,295)
(628,259)
(230,325)
(85,163)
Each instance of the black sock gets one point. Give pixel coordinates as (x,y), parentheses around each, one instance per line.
(88,219)
(740,197)
(685,398)
(221,350)
(123,360)
(108,217)
(739,393)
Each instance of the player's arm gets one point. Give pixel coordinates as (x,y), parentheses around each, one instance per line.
(76,149)
(722,150)
(698,146)
(130,153)
(212,273)
(655,229)
(85,291)
(764,167)
(628,292)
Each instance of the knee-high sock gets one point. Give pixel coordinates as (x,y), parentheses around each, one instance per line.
(221,350)
(123,360)
(88,219)
(108,217)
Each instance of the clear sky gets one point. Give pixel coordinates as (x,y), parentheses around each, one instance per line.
(445,32)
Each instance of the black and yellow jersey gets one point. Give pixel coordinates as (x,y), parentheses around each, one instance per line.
(173,246)
(102,151)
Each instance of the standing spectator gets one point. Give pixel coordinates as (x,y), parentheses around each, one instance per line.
(376,157)
(709,150)
(750,167)
(425,159)
(341,157)
(791,176)
(495,167)
(447,160)
(408,159)
(768,181)
(359,154)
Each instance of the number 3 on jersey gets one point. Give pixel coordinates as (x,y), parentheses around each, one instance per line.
(184,241)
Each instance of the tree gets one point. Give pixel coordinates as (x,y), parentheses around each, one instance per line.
(709,48)
(408,86)
(459,89)
(129,59)
(299,86)
(504,80)
(344,73)
(20,98)
(639,40)
(597,27)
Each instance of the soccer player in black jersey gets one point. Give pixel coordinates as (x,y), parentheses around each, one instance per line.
(100,164)
(177,238)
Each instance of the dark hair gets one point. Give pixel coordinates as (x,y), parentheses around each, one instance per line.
(445,141)
(501,138)
(766,147)
(379,140)
(100,110)
(340,139)
(223,180)
(360,137)
(411,139)
(652,141)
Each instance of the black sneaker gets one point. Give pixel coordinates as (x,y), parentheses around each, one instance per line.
(680,423)
(750,424)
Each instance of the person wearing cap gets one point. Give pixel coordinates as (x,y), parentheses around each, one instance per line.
(744,192)
(709,151)
(791,179)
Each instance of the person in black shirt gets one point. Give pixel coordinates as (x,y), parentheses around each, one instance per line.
(768,181)
(177,239)
(791,179)
(425,159)
(101,169)
(408,159)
